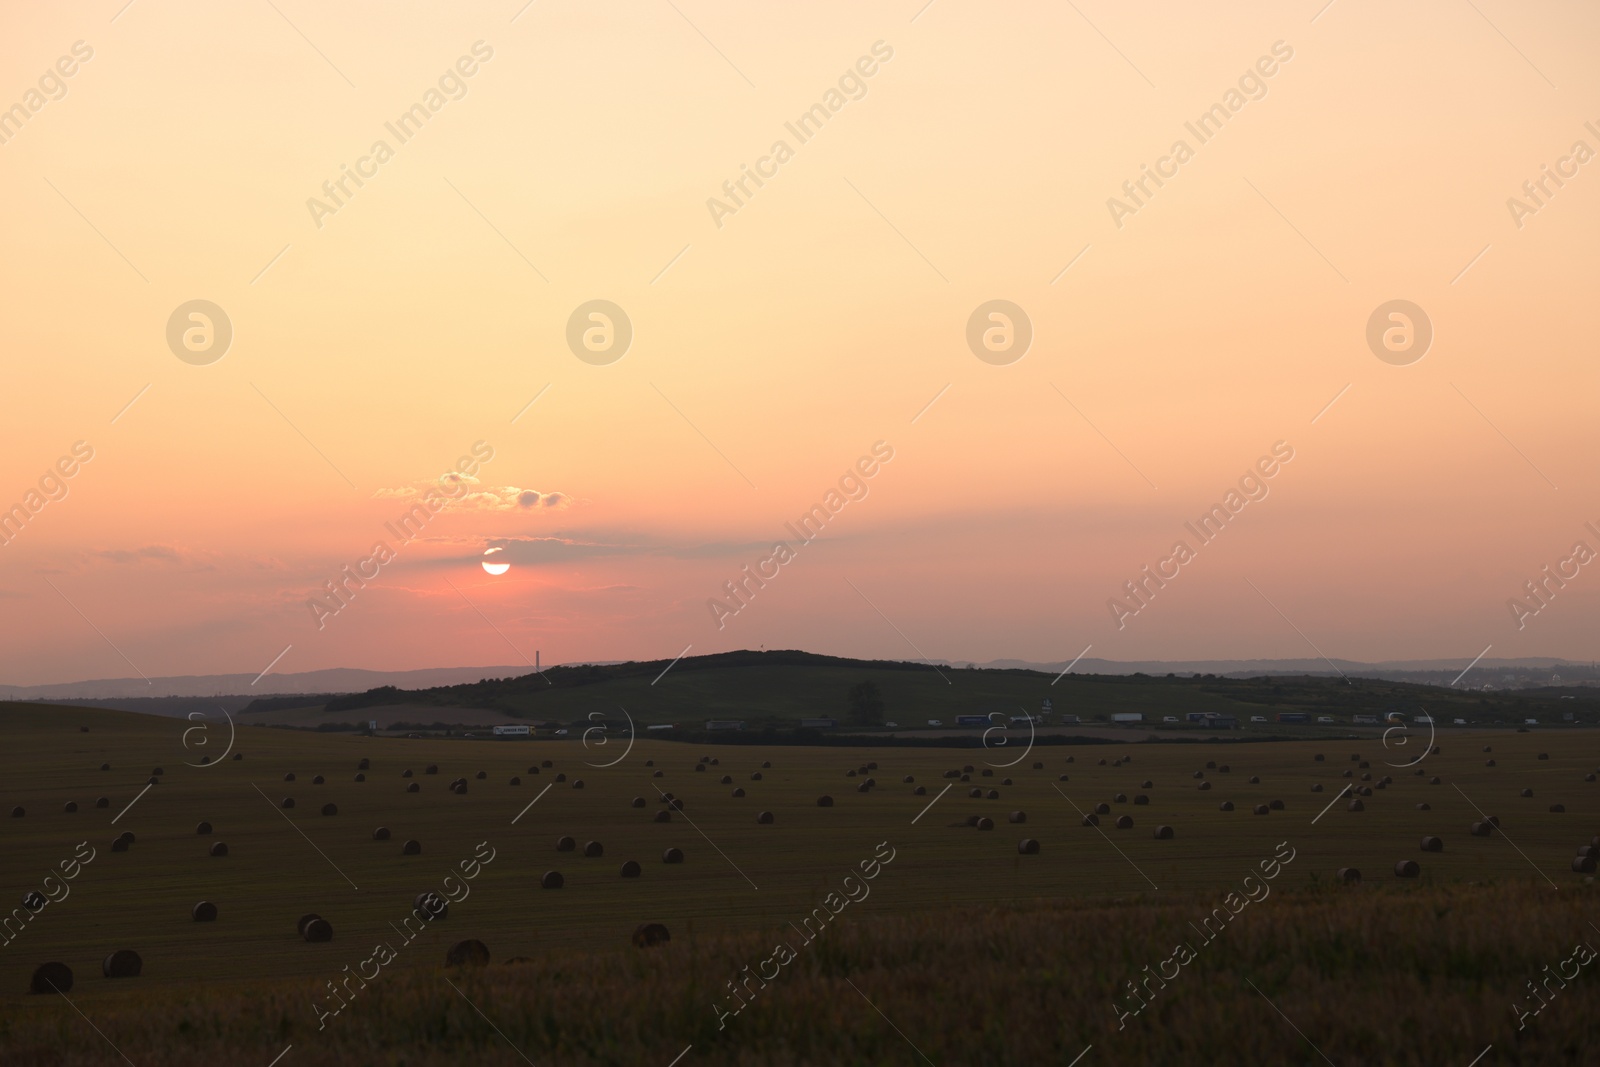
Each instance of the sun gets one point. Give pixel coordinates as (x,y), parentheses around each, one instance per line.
(492,567)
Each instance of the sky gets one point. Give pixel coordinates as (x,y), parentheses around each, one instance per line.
(1359,275)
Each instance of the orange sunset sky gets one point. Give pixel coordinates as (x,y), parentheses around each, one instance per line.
(775,340)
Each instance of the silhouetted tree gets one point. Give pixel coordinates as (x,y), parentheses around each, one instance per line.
(866,704)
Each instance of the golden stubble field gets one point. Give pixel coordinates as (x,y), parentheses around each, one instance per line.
(957,937)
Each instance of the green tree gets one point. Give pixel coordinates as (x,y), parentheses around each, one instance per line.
(866,704)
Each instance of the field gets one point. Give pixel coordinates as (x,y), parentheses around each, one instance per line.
(959,950)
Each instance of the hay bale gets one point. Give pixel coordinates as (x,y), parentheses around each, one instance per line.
(975,793)
(330,809)
(127,835)
(993,794)
(288,777)
(381,834)
(563,777)
(413,788)
(1018,817)
(1102,809)
(105,766)
(1119,798)
(1558,809)
(1199,774)
(1588,850)
(1527,792)
(123,963)
(1366,776)
(102,802)
(119,845)
(1355,805)
(1061,778)
(1407,869)
(18,812)
(738,792)
(1091,819)
(1125,822)
(1163,833)
(672,855)
(700,768)
(851,774)
(468,953)
(552,880)
(70,807)
(1589,777)
(1488,763)
(1364,765)
(1038,765)
(1583,864)
(648,935)
(577,783)
(1481,829)
(594,849)
(1488,748)
(34,901)
(1348,774)
(663,816)
(514,780)
(1348,875)
(1544,755)
(361,778)
(482,775)
(987,773)
(1211,765)
(1355,757)
(548,763)
(631,869)
(1261,809)
(318,780)
(432,768)
(985,823)
(967,769)
(637,802)
(406,773)
(533,770)
(908,779)
(1255,779)
(1316,787)
(1226,805)
(1141,799)
(287,802)
(51,977)
(204,912)
(824,802)
(1028,847)
(411,848)
(238,755)
(1432,844)
(765,818)
(219,848)
(1318,757)
(1275,805)
(565,844)
(364,765)
(972,820)
(1365,790)
(920,791)
(1147,784)
(1435,780)
(1493,820)
(1424,806)
(659,774)
(1205,787)
(318,931)
(966,777)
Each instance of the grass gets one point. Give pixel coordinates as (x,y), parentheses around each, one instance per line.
(978,954)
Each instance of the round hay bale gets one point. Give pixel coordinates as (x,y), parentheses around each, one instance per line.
(413,788)
(1255,779)
(533,770)
(317,931)
(871,783)
(1091,819)
(1587,850)
(127,835)
(381,834)
(1147,784)
(1205,787)
(672,855)
(966,777)
(287,802)
(637,802)
(594,849)
(1355,757)
(123,963)
(1494,821)
(738,792)
(458,788)
(549,763)
(361,778)
(824,802)
(330,809)
(727,779)
(1211,765)
(577,783)
(1558,809)
(1125,822)
(967,769)
(1435,780)
(1018,816)
(1355,805)
(1275,805)
(219,848)
(1226,805)
(1199,774)
(987,773)
(985,823)
(238,755)
(1316,787)
(1527,792)
(1348,774)
(767,765)
(1261,809)
(1432,844)
(1481,829)
(154,781)
(204,912)
(755,776)
(288,777)
(34,900)
(1348,875)
(51,977)
(1163,833)
(1488,748)
(1365,790)
(1141,799)
(1583,864)
(646,935)
(1366,776)
(920,791)
(18,812)
(631,869)
(1589,777)
(552,880)
(700,768)
(105,766)
(1319,757)
(1488,763)
(102,802)
(318,780)
(765,818)
(1061,778)
(975,793)
(406,773)
(563,777)
(364,765)
(411,848)
(972,820)
(1038,765)
(468,953)
(663,816)
(1407,869)
(565,844)
(1544,755)
(659,774)
(1364,765)
(908,779)
(481,775)
(119,845)
(993,794)
(1102,809)
(1424,806)
(851,774)
(1119,798)
(514,780)
(1028,847)
(432,768)
(70,807)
